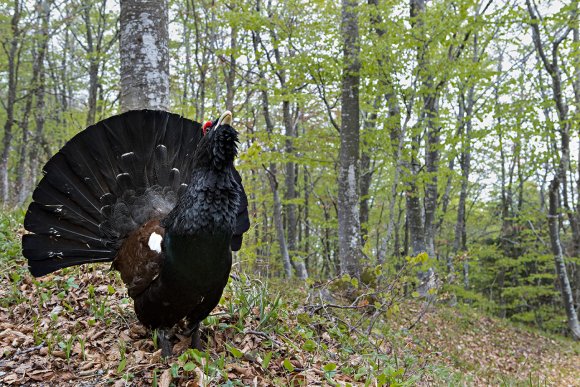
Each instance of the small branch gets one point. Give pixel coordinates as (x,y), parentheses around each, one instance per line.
(264,335)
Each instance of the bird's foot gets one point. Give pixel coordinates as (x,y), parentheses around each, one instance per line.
(195,338)
(196,341)
(164,340)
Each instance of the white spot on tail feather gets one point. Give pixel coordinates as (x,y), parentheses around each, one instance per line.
(155,242)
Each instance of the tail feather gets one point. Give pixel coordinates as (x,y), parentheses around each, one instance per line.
(42,222)
(62,179)
(50,197)
(160,166)
(105,182)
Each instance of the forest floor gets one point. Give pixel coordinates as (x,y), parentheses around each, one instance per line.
(78,328)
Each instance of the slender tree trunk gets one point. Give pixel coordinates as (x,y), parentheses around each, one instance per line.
(93,66)
(366,175)
(460,240)
(290,194)
(40,91)
(144,55)
(278,222)
(432,156)
(10,101)
(397,134)
(415,215)
(553,68)
(231,70)
(565,288)
(348,190)
(306,218)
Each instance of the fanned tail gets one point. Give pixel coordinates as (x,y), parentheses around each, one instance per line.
(105,182)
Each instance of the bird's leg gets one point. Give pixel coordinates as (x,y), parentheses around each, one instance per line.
(195,338)
(164,340)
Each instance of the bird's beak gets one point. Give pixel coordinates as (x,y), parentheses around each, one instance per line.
(225,119)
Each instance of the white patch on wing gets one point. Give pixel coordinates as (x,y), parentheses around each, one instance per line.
(155,242)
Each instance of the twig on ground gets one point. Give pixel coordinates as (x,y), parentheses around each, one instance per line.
(264,335)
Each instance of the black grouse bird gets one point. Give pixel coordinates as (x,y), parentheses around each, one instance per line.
(159,197)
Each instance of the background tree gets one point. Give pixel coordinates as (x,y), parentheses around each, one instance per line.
(144,49)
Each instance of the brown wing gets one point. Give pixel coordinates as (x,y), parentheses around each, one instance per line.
(138,264)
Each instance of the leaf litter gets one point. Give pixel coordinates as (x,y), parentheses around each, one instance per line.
(78,328)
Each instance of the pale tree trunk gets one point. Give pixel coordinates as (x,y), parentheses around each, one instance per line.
(278,224)
(201,57)
(397,134)
(231,71)
(37,90)
(39,108)
(290,119)
(10,100)
(144,55)
(350,252)
(553,68)
(95,46)
(278,221)
(93,67)
(576,86)
(290,194)
(366,174)
(427,121)
(415,215)
(565,288)
(460,240)
(422,220)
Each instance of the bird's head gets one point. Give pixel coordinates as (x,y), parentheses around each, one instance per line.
(219,145)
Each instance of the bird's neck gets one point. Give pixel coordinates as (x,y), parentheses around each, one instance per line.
(209,205)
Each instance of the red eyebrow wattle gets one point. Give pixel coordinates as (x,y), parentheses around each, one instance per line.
(206,126)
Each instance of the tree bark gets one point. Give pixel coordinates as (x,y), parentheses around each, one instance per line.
(366,174)
(565,288)
(144,55)
(39,108)
(460,240)
(290,194)
(553,68)
(10,101)
(348,190)
(278,223)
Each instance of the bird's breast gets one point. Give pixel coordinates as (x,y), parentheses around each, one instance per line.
(199,261)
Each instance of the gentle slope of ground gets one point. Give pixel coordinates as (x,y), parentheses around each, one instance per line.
(77,327)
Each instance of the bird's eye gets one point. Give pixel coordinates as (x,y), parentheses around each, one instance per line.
(206,127)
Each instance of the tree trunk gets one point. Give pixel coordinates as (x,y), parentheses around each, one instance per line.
(278,224)
(144,55)
(366,174)
(460,240)
(565,288)
(278,221)
(39,108)
(553,68)
(10,102)
(348,191)
(290,194)
(231,70)
(432,155)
